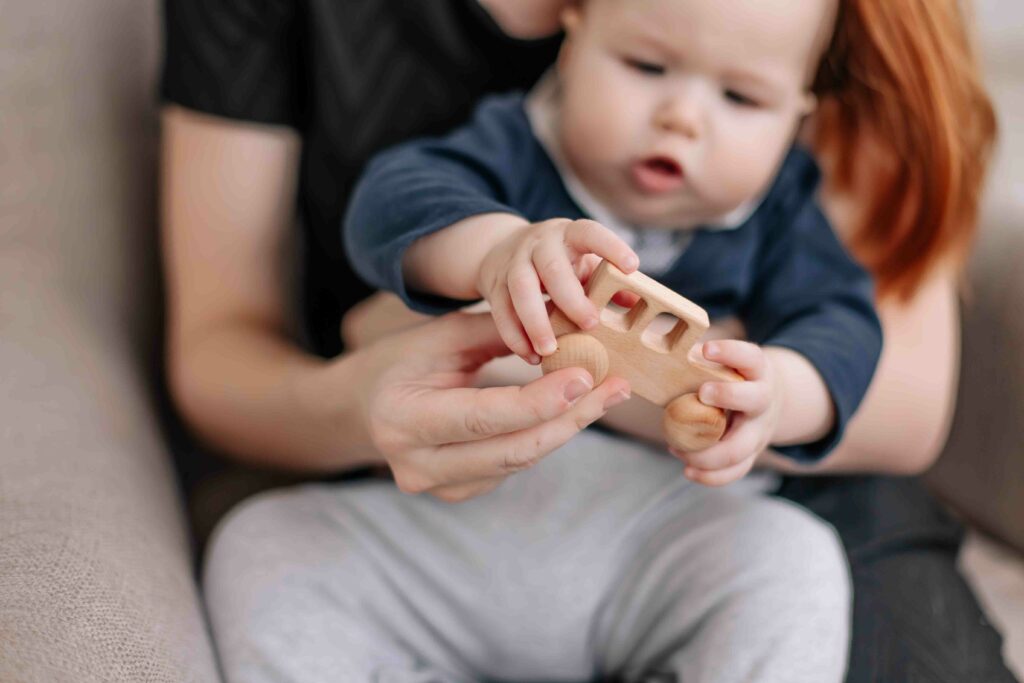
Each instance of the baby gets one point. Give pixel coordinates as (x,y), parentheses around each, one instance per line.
(664,140)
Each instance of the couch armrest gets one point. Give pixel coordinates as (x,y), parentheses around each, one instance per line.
(96,579)
(981,472)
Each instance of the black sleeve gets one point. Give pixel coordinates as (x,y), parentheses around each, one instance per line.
(234,58)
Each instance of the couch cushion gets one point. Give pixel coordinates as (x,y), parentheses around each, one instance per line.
(96,578)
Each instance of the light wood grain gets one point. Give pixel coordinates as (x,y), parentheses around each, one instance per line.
(659,367)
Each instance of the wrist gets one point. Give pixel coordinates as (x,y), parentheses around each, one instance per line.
(447,262)
(331,394)
(497,241)
(806,413)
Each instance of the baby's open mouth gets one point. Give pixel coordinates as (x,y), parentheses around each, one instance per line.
(657,174)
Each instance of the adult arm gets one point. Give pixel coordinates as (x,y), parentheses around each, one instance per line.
(244,385)
(240,382)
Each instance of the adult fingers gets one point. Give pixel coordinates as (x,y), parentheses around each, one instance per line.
(746,358)
(508,453)
(528,302)
(446,416)
(560,281)
(590,236)
(744,397)
(456,334)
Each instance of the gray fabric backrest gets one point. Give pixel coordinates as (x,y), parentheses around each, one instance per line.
(982,470)
(96,576)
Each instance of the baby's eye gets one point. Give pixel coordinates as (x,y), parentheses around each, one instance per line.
(740,99)
(644,67)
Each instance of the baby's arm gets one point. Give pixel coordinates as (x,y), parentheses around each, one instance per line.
(811,310)
(447,262)
(442,221)
(511,263)
(816,342)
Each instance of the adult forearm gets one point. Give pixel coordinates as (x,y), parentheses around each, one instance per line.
(447,262)
(253,394)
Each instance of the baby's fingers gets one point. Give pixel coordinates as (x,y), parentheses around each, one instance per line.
(744,397)
(742,441)
(559,278)
(507,323)
(586,236)
(719,477)
(528,302)
(746,358)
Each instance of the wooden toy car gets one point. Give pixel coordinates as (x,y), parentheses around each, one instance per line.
(665,369)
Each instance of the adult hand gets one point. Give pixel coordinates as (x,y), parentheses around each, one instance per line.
(375,317)
(442,436)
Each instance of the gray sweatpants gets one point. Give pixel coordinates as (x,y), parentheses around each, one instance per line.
(600,562)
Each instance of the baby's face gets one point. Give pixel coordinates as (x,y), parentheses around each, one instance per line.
(675,112)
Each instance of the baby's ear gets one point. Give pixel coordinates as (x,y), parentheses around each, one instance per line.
(809,104)
(571,16)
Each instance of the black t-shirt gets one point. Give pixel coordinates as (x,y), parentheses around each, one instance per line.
(352,77)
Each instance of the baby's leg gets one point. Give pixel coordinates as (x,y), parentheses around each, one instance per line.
(294,597)
(733,588)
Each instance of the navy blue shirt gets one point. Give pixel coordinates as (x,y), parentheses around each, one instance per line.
(783,272)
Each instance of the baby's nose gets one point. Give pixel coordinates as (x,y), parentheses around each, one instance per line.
(679,114)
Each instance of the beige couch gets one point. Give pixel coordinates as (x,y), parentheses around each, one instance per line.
(96,579)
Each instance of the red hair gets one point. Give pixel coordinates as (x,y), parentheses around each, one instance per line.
(906,128)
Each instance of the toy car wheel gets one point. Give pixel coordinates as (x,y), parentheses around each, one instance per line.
(691,425)
(577,350)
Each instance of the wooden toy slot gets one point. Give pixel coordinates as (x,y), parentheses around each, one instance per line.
(664,332)
(619,317)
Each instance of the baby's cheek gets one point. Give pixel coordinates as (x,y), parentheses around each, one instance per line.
(743,172)
(590,136)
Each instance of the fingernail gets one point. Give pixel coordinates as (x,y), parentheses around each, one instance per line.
(533,359)
(707,394)
(589,323)
(710,349)
(616,399)
(575,389)
(547,346)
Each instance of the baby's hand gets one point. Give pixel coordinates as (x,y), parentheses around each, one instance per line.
(756,405)
(552,256)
